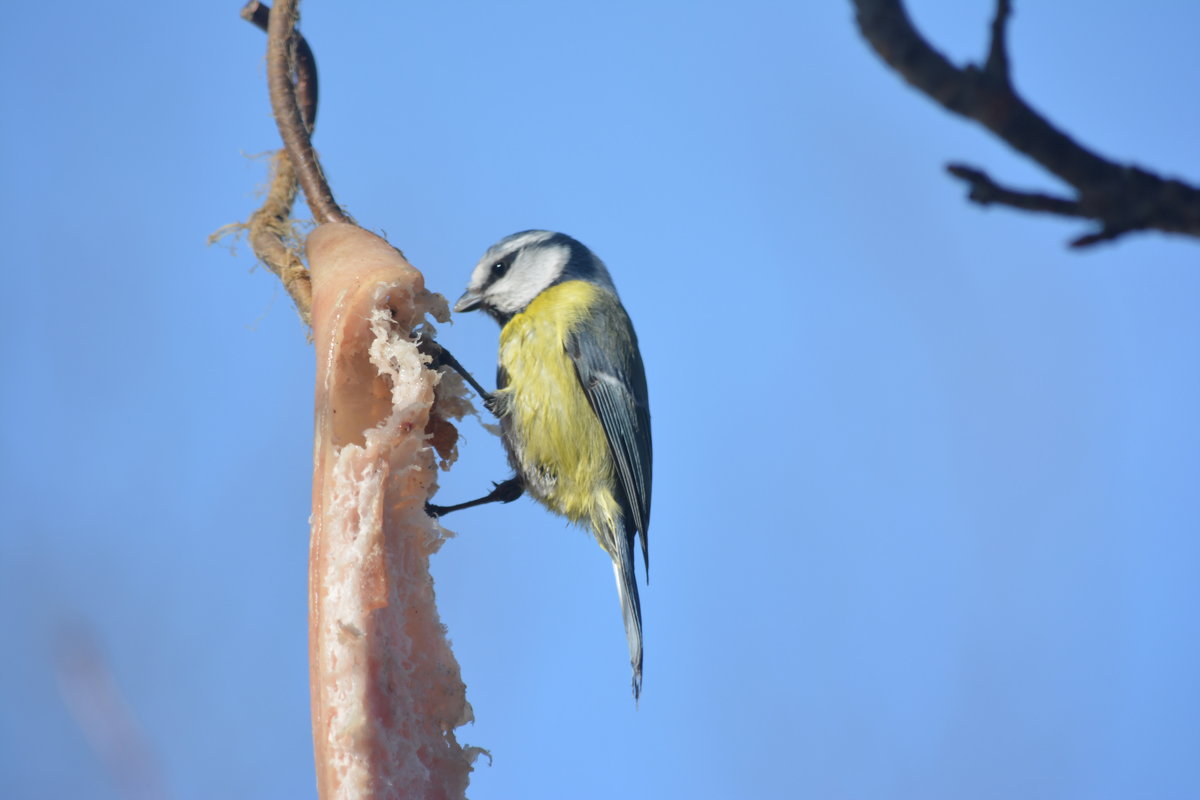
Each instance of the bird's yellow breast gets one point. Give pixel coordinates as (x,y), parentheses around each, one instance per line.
(554,434)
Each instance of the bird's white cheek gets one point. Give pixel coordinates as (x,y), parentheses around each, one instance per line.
(507,298)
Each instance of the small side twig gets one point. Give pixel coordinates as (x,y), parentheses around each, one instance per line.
(1120,198)
(986,191)
(997,59)
(1105,234)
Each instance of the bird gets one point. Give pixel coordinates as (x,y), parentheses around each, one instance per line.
(571,398)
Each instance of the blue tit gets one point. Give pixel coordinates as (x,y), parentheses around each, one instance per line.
(571,397)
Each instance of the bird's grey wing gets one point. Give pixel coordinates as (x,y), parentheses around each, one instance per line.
(604,350)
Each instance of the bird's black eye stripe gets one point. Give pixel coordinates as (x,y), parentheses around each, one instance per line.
(500,268)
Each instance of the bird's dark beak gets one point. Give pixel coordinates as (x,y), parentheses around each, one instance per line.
(469,301)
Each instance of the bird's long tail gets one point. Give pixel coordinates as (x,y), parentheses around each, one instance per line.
(631,604)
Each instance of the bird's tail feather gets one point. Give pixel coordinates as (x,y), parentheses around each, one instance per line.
(631,605)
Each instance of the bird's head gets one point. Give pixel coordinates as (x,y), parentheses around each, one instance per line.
(520,267)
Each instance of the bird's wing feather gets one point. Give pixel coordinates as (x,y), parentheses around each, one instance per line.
(604,350)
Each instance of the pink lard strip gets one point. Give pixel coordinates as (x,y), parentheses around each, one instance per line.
(387,693)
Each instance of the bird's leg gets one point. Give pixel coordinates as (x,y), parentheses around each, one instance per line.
(503,492)
(441,357)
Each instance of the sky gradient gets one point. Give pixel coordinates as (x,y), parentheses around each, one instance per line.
(926,483)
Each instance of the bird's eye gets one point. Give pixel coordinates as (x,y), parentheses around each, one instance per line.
(499,268)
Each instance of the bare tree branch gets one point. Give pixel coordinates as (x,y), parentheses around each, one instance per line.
(1120,198)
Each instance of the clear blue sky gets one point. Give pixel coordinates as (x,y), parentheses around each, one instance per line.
(927,484)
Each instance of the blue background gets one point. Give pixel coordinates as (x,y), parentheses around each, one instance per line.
(926,493)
